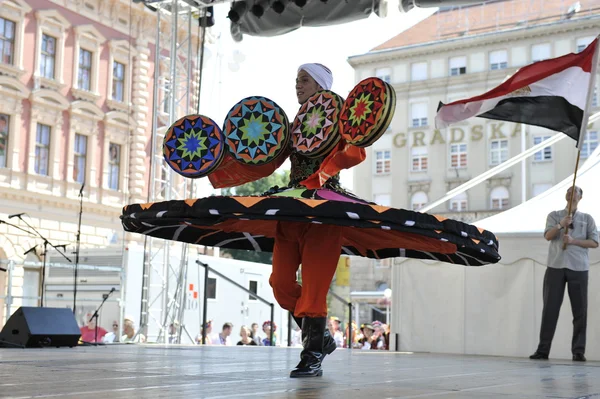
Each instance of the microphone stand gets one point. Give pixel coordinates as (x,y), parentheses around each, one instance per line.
(77,247)
(46,243)
(17,227)
(95,315)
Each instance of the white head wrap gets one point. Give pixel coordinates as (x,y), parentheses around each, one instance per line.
(320,73)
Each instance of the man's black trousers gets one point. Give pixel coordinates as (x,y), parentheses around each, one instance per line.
(554,292)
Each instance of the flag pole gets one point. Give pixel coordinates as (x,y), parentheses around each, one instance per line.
(584,123)
(573,189)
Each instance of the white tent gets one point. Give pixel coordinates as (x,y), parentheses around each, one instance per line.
(496,309)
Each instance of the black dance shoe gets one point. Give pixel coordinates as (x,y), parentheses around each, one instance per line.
(311,358)
(539,356)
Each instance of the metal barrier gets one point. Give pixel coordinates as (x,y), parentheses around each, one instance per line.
(349,323)
(207,269)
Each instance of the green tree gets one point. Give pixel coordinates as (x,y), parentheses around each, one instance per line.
(257,187)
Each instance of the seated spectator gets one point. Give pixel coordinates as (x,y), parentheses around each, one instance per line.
(380,333)
(297,336)
(129,332)
(267,330)
(88,332)
(355,336)
(208,338)
(112,336)
(336,332)
(245,334)
(173,332)
(386,335)
(370,338)
(224,335)
(254,334)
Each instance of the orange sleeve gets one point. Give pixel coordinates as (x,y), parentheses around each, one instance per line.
(232,173)
(344,156)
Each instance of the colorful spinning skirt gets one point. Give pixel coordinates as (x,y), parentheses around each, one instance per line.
(369,230)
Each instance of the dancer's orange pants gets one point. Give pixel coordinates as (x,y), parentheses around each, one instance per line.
(317,247)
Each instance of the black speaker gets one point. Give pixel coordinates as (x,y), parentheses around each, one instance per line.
(39,327)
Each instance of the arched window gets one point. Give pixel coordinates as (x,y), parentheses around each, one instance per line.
(459,203)
(418,200)
(499,198)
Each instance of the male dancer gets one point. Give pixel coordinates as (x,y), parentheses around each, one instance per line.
(317,247)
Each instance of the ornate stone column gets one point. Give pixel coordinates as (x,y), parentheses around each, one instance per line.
(142,109)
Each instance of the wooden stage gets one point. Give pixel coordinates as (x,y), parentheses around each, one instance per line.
(153,371)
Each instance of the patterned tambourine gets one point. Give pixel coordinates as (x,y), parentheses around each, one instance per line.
(385,121)
(315,129)
(194,146)
(367,112)
(256,131)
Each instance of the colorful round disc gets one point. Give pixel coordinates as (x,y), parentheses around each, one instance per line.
(362,113)
(315,129)
(385,121)
(194,146)
(256,131)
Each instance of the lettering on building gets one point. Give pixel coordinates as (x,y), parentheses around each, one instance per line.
(422,138)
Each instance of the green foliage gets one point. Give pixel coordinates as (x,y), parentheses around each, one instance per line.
(257,187)
(249,256)
(260,186)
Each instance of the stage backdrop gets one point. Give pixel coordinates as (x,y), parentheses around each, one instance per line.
(493,310)
(496,309)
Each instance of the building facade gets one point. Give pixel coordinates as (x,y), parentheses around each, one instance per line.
(458,53)
(76,87)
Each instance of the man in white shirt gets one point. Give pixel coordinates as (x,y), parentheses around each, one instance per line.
(113,336)
(224,336)
(567,266)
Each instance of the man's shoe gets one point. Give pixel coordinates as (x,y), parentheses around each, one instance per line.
(541,356)
(579,357)
(313,329)
(328,342)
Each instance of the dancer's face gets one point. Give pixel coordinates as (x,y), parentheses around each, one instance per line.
(306,86)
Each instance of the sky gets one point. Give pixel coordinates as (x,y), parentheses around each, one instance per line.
(267,66)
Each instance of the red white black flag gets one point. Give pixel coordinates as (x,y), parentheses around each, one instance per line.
(551,93)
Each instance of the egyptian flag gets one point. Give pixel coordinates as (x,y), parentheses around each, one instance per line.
(551,93)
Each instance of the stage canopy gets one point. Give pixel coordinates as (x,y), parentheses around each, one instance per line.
(278,17)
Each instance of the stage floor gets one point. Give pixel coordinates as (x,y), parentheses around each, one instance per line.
(152,371)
